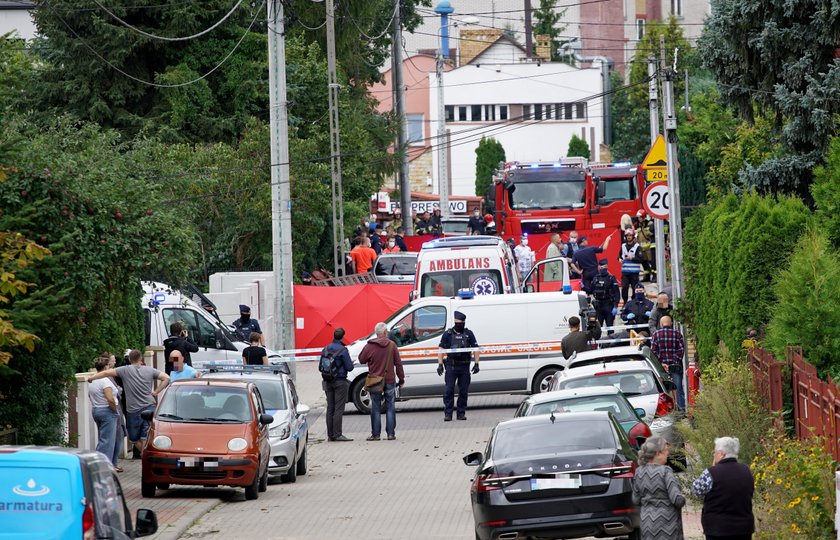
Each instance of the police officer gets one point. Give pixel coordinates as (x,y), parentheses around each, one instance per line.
(605,294)
(457,366)
(244,325)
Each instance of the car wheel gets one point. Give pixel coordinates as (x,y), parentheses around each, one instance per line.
(291,476)
(253,491)
(301,463)
(542,380)
(147,490)
(361,398)
(264,481)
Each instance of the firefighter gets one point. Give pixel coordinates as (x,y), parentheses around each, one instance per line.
(645,236)
(630,256)
(457,366)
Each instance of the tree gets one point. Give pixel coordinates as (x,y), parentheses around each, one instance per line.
(487,157)
(547,20)
(772,59)
(826,193)
(578,147)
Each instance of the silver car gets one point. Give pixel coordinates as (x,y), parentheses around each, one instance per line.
(395,267)
(288,435)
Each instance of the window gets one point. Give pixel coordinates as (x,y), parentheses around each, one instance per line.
(676,8)
(462,114)
(147,326)
(424,323)
(640,28)
(619,189)
(475,111)
(414,128)
(489,113)
(448,283)
(449,113)
(630,383)
(109,511)
(272,393)
(503,112)
(567,111)
(580,111)
(538,112)
(553,439)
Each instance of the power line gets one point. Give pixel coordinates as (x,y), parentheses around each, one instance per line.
(164,38)
(359,28)
(153,84)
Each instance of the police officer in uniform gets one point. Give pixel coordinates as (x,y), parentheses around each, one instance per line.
(605,295)
(457,366)
(244,325)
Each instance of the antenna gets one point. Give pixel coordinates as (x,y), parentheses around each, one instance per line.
(552,417)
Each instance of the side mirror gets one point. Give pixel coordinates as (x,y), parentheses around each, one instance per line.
(474,459)
(147,415)
(302,409)
(266,419)
(601,192)
(641,412)
(146,523)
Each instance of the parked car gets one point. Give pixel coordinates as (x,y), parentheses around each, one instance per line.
(64,493)
(288,434)
(593,399)
(555,476)
(208,432)
(395,268)
(639,382)
(626,353)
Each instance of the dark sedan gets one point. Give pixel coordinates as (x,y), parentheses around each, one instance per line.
(555,476)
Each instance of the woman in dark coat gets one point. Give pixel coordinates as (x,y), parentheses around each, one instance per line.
(656,490)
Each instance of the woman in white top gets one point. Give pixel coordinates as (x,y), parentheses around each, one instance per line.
(104,395)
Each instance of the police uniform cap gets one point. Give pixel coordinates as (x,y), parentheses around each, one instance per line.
(244,309)
(459,316)
(603,262)
(581,240)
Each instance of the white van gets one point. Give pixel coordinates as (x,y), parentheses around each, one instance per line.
(523,332)
(217,342)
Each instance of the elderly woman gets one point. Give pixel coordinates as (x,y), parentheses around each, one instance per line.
(104,401)
(656,490)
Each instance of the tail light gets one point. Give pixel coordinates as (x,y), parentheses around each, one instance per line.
(601,373)
(486,482)
(88,523)
(639,430)
(620,469)
(629,474)
(664,406)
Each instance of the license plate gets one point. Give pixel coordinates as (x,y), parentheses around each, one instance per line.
(561,481)
(197,462)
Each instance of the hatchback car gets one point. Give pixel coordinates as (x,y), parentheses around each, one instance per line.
(626,353)
(596,398)
(64,493)
(208,432)
(288,434)
(555,476)
(639,382)
(395,267)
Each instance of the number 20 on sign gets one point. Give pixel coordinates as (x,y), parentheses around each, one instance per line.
(657,201)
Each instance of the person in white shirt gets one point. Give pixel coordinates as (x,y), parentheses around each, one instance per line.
(524,256)
(181,370)
(104,401)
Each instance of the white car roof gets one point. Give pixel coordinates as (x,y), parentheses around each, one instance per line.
(554,395)
(590,370)
(608,353)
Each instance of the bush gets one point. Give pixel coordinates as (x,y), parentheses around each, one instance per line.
(578,148)
(826,193)
(794,491)
(727,406)
(808,312)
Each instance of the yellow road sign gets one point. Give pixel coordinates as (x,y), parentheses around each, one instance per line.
(655,163)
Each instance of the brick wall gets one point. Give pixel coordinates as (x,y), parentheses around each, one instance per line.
(473,41)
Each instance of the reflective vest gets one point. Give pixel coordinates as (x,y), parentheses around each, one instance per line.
(630,266)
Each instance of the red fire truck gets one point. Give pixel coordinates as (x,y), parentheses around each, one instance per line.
(541,199)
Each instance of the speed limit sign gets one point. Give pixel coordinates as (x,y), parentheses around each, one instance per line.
(657,200)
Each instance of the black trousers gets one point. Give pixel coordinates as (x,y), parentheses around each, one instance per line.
(628,285)
(336,399)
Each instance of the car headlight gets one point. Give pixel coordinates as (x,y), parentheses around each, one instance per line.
(283,431)
(163,442)
(237,444)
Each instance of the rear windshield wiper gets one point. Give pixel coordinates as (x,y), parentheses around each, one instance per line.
(172,416)
(632,393)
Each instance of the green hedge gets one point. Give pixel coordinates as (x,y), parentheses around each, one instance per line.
(733,249)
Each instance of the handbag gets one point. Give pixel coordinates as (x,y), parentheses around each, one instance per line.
(376,384)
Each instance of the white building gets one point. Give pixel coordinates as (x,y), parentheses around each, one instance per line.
(16,17)
(531,108)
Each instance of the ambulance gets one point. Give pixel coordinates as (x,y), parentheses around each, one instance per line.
(520,335)
(483,265)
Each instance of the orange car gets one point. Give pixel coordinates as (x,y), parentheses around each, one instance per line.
(208,432)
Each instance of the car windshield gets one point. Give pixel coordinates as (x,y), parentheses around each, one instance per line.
(455,227)
(553,438)
(611,403)
(205,403)
(273,396)
(396,266)
(450,282)
(631,383)
(548,195)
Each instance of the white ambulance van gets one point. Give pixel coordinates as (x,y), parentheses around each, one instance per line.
(484,265)
(217,342)
(522,331)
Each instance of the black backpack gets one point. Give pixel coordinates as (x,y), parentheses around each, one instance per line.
(326,365)
(601,288)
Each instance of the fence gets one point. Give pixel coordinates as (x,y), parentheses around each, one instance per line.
(816,403)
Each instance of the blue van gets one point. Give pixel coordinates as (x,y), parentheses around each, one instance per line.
(64,493)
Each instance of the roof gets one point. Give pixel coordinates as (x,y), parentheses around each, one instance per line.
(205,381)
(490,44)
(463,241)
(59,452)
(608,353)
(554,395)
(20,4)
(541,419)
(588,371)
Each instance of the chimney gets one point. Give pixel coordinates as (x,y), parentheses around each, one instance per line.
(543,51)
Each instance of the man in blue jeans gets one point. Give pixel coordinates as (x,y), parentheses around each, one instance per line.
(668,345)
(383,360)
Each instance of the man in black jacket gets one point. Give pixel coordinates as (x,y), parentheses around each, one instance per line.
(178,340)
(577,341)
(727,491)
(336,389)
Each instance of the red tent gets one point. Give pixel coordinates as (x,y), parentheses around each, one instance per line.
(356,308)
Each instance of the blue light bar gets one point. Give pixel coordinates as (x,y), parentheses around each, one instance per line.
(622,164)
(535,165)
(557,165)
(159,298)
(567,289)
(465,293)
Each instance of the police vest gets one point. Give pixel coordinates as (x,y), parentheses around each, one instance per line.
(460,341)
(630,266)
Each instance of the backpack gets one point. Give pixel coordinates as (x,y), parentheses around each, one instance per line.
(601,288)
(326,365)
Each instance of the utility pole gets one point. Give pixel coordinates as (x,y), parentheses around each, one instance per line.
(529,30)
(673,182)
(335,145)
(399,109)
(281,201)
(443,9)
(659,225)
